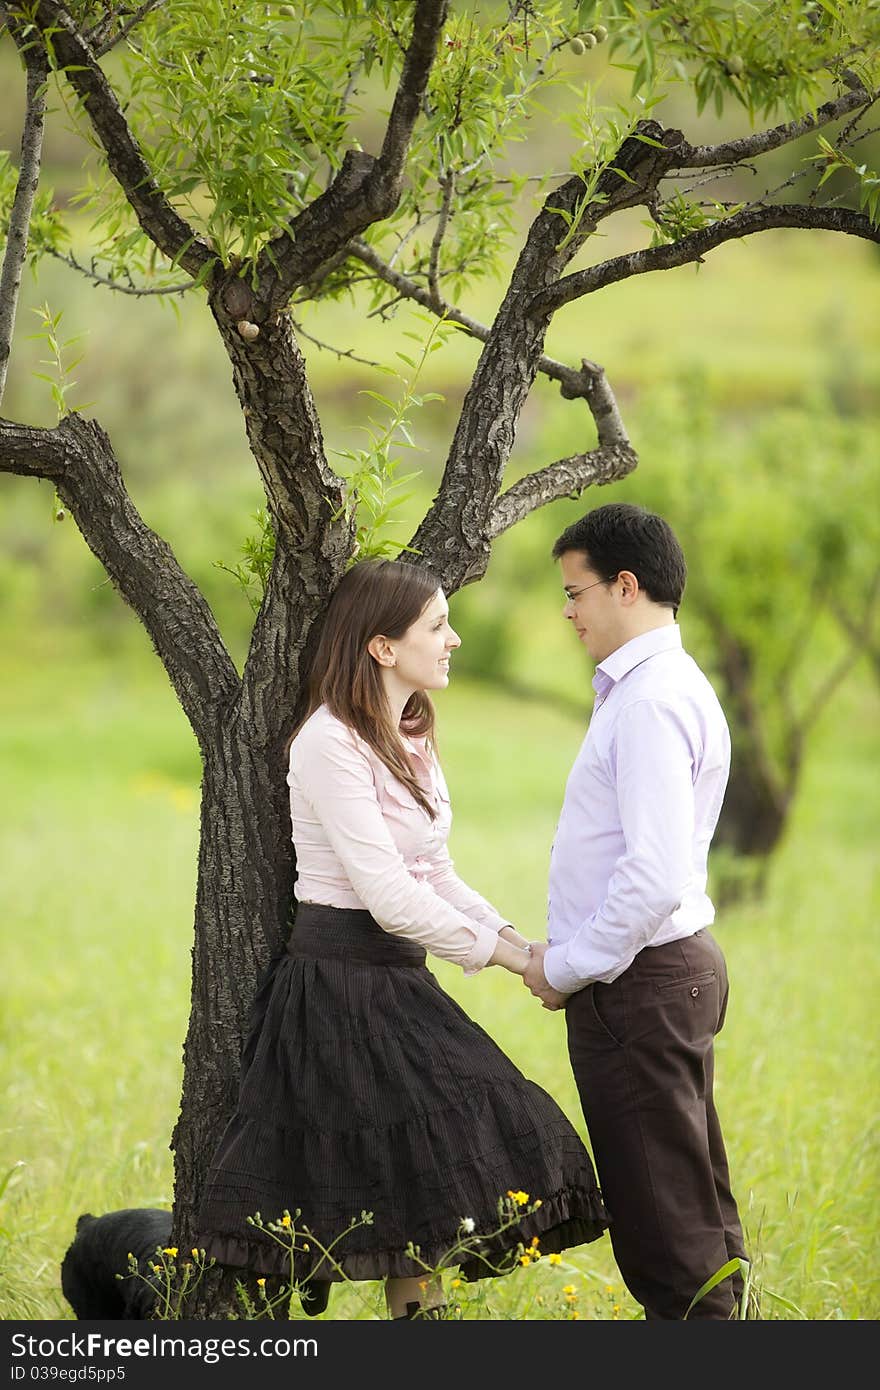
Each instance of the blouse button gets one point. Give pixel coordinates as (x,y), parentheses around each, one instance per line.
(695,991)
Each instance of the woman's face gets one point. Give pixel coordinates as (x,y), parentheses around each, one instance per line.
(422,654)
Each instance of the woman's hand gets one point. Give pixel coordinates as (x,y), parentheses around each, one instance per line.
(513,957)
(535,979)
(510,933)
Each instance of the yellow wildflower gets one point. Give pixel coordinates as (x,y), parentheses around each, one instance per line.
(609,1288)
(574,1315)
(170,1250)
(285,1220)
(554,1259)
(525,1259)
(456,1284)
(519,1197)
(194,1253)
(569,1288)
(261,1283)
(535,1241)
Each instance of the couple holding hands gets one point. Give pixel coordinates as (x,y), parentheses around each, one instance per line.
(366,1088)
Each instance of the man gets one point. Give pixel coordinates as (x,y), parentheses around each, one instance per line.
(630,958)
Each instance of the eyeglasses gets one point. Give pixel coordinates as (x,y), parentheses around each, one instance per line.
(572,595)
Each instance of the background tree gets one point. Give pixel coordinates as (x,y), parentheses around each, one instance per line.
(230,135)
(782,538)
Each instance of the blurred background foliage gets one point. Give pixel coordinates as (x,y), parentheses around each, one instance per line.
(749,386)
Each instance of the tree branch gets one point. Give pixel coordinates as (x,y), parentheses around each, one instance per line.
(139,291)
(447,184)
(571,380)
(696,245)
(566,478)
(69,51)
(77,456)
(32,453)
(750,146)
(428,21)
(23,203)
(313,536)
(614,459)
(859,634)
(102,37)
(453,536)
(367,188)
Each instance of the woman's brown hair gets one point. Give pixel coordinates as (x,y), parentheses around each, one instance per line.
(373,598)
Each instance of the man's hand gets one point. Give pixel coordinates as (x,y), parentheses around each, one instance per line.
(537,982)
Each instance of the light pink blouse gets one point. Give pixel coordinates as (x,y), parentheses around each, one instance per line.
(362,841)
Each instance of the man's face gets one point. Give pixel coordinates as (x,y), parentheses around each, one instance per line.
(592,605)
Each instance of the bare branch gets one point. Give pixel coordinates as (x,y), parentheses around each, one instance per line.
(566,478)
(23,203)
(328,347)
(367,188)
(102,38)
(696,245)
(77,456)
(130,288)
(157,218)
(572,381)
(447,184)
(750,146)
(859,634)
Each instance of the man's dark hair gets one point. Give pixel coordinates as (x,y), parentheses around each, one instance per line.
(620,536)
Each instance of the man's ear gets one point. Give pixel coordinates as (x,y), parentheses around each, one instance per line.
(629,586)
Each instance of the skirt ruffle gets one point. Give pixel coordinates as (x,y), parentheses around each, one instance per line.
(365,1088)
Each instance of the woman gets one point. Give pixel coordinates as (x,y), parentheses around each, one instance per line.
(364,1086)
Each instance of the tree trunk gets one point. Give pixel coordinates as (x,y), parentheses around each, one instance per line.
(755,807)
(243,899)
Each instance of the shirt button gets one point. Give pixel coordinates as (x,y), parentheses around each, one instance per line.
(695,991)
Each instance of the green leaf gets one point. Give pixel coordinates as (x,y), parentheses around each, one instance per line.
(735,1266)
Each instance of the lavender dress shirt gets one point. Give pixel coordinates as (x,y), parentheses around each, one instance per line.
(628,867)
(362,841)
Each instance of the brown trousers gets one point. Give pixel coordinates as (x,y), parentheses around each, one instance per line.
(642,1054)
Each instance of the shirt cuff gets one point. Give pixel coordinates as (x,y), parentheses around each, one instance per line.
(481,952)
(558,971)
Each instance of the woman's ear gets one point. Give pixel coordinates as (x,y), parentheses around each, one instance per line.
(381,650)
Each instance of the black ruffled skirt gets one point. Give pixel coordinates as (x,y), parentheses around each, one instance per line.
(366,1088)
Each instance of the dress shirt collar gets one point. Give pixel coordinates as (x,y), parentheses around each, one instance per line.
(633,653)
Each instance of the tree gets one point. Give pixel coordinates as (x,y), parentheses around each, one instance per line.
(228,132)
(783,596)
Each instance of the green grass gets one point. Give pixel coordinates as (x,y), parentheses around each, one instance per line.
(98,840)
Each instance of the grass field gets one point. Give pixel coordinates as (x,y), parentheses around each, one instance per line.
(97,844)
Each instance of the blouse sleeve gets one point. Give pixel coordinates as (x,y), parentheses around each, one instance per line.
(445,881)
(337,781)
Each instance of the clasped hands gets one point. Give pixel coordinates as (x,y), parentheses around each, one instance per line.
(536,981)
